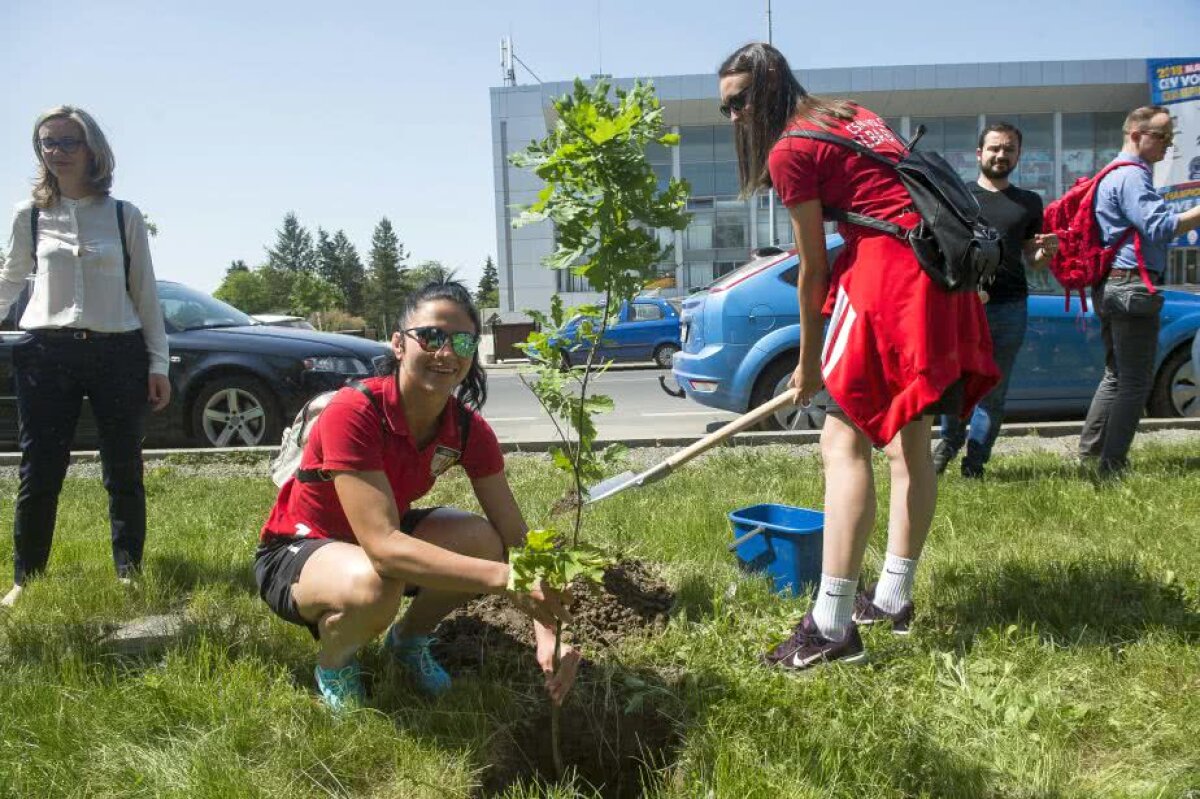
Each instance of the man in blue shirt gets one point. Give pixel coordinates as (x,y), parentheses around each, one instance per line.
(1128,308)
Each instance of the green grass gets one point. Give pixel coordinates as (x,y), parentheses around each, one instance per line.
(1057,653)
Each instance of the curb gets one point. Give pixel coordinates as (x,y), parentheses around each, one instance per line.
(797,437)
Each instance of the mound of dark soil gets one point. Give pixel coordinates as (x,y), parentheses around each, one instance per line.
(630,601)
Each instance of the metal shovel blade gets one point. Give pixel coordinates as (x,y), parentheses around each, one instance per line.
(624,480)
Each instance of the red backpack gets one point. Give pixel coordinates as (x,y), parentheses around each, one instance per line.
(1082,260)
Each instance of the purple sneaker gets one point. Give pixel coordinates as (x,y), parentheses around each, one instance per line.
(807,648)
(867,612)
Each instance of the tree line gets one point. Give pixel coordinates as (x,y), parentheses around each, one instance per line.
(325,279)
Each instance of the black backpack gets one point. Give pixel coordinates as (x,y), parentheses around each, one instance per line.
(18,307)
(955,247)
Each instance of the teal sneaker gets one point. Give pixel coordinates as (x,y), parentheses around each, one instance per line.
(412,653)
(341,689)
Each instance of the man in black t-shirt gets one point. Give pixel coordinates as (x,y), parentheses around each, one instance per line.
(1017,215)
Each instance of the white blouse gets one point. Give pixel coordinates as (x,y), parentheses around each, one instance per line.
(80,278)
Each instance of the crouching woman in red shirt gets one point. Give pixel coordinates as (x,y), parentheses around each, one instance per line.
(343,546)
(898,348)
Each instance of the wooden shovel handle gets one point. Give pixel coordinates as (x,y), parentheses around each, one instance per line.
(736,426)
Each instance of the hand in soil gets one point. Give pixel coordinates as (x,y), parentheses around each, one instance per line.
(558,685)
(545,605)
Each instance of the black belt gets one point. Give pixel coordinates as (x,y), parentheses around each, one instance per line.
(77,333)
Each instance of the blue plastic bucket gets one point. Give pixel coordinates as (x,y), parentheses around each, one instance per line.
(781,540)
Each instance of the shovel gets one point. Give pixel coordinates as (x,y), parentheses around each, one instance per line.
(615,485)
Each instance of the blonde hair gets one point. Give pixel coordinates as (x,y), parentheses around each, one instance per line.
(100,156)
(1138,118)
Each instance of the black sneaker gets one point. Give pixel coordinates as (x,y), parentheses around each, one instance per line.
(810,648)
(867,612)
(942,455)
(971,471)
(786,649)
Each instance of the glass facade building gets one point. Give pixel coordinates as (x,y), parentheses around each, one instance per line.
(1069,113)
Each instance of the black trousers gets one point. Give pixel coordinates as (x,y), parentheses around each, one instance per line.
(53,371)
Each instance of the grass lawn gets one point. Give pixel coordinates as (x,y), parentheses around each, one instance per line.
(1056,654)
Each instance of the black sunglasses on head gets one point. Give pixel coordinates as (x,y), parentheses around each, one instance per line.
(736,103)
(433,339)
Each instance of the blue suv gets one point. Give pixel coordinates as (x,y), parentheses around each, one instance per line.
(741,339)
(646,329)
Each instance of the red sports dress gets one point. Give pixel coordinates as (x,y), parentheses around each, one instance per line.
(895,341)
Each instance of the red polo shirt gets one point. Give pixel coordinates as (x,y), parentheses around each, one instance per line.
(348,437)
(806,169)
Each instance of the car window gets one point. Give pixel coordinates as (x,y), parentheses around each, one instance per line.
(791,275)
(1042,282)
(188,309)
(645,312)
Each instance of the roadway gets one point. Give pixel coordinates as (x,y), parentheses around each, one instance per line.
(642,409)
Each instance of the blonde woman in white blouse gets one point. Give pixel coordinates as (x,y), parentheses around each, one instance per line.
(94,328)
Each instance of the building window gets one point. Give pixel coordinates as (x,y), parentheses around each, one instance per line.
(1035,171)
(732,231)
(783,223)
(956,138)
(1089,141)
(697,275)
(699,234)
(568,281)
(700,178)
(1183,266)
(696,144)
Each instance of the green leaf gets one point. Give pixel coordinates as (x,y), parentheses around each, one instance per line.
(541,540)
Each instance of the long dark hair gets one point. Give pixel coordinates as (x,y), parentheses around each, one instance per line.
(473,390)
(774,98)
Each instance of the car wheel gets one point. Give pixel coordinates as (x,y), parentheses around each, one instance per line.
(235,411)
(1177,389)
(663,355)
(772,383)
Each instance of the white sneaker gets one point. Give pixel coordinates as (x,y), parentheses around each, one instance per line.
(11,597)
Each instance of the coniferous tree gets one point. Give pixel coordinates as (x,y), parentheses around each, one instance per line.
(387,287)
(328,267)
(293,250)
(488,294)
(351,276)
(237,266)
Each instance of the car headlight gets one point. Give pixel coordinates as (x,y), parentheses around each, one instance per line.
(337,364)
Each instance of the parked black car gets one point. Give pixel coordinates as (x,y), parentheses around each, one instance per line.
(234,381)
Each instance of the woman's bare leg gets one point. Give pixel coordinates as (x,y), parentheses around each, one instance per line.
(849,497)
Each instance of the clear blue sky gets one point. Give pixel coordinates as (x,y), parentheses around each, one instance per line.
(226,115)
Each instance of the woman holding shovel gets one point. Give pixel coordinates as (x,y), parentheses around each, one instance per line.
(899,349)
(343,545)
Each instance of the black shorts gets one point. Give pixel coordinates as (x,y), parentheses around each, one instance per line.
(949,404)
(279,561)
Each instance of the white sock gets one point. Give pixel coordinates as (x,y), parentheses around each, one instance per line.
(835,605)
(895,583)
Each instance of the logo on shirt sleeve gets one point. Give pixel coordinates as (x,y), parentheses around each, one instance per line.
(443,458)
